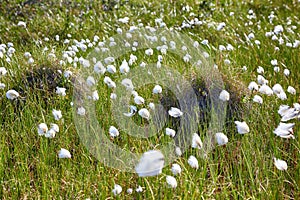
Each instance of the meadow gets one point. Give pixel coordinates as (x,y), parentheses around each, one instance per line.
(251,51)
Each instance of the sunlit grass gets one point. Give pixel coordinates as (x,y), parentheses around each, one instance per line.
(29,165)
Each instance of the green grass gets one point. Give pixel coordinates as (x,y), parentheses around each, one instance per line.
(243,169)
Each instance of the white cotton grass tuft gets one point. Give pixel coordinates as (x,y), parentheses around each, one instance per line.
(64,153)
(265,89)
(81,111)
(150,164)
(12,94)
(178,151)
(224,95)
(129,191)
(176,169)
(287,113)
(117,189)
(151,106)
(95,95)
(111,69)
(196,141)
(42,128)
(99,68)
(139,100)
(133,110)
(242,127)
(221,138)
(171,181)
(175,112)
(257,99)
(113,131)
(144,113)
(170,132)
(261,80)
(291,90)
(3,71)
(280,164)
(253,86)
(260,70)
(193,162)
(285,130)
(113,96)
(139,189)
(56,114)
(52,131)
(90,81)
(128,84)
(157,89)
(124,68)
(109,82)
(61,91)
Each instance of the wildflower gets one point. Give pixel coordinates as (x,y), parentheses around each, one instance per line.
(150,164)
(280,164)
(176,169)
(64,153)
(193,162)
(221,138)
(170,132)
(175,112)
(171,181)
(242,127)
(113,131)
(144,113)
(12,94)
(224,95)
